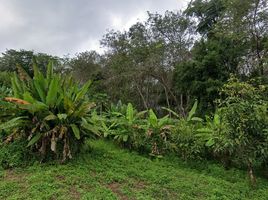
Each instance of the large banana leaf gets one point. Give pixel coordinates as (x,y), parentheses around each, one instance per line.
(40,88)
(52,93)
(49,70)
(15,122)
(83,90)
(130,112)
(16,86)
(76,131)
(35,107)
(153,118)
(192,111)
(34,139)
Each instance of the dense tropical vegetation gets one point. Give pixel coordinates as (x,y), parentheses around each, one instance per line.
(190,85)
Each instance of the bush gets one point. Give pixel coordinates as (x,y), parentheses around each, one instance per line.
(239,130)
(123,124)
(15,155)
(187,143)
(158,134)
(54,114)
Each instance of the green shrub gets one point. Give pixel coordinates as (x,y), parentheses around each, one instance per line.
(214,135)
(15,154)
(158,134)
(187,144)
(238,132)
(123,124)
(55,113)
(184,139)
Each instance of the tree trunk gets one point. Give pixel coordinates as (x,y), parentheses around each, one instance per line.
(142,97)
(251,175)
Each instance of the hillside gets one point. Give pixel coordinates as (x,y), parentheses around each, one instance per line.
(108,172)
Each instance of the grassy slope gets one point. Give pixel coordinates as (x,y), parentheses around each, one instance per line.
(112,173)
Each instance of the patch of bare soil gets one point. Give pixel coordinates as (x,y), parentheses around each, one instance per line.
(139,185)
(11,175)
(116,188)
(74,193)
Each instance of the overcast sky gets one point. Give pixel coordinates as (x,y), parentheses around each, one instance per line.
(61,27)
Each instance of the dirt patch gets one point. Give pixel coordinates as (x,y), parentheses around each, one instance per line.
(116,188)
(93,174)
(86,187)
(60,177)
(74,193)
(139,185)
(11,175)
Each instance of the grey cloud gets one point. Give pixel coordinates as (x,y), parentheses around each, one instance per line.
(60,27)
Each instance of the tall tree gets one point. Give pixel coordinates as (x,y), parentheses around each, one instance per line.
(86,65)
(141,61)
(11,58)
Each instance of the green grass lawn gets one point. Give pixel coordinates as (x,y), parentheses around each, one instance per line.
(108,172)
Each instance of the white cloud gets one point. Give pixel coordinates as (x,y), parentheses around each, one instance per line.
(8,17)
(70,26)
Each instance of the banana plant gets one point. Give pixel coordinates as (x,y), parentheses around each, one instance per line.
(126,124)
(191,115)
(211,131)
(158,131)
(57,107)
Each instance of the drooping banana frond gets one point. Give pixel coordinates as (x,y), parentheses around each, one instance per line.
(13,123)
(52,93)
(16,86)
(16,100)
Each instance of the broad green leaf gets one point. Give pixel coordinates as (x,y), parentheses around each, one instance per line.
(204,130)
(50,117)
(15,89)
(49,70)
(104,126)
(125,138)
(28,97)
(141,114)
(117,114)
(62,116)
(197,119)
(83,109)
(40,90)
(210,142)
(16,86)
(153,118)
(192,111)
(162,121)
(35,107)
(68,105)
(35,68)
(171,111)
(105,134)
(216,119)
(76,131)
(130,112)
(89,127)
(83,90)
(15,122)
(34,139)
(52,92)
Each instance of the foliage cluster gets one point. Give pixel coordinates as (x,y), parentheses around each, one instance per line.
(112,173)
(236,135)
(169,60)
(52,113)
